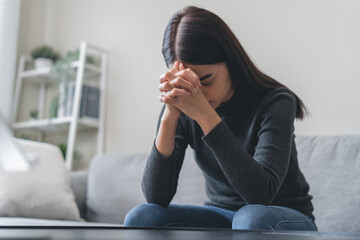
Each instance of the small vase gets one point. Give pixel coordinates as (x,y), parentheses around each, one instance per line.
(42,63)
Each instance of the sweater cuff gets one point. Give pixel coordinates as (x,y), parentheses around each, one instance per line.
(213,138)
(155,152)
(159,165)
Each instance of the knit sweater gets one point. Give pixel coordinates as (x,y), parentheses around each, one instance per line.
(250,157)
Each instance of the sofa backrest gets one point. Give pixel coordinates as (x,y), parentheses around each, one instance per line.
(114,186)
(331,165)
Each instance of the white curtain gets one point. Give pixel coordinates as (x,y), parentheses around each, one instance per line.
(9,25)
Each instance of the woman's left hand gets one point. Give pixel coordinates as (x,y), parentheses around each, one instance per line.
(193,105)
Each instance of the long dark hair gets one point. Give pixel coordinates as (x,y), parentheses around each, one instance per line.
(197,36)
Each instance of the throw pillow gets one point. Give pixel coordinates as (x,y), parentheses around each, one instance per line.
(43,192)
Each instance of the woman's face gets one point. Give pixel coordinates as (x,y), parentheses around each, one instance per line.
(216,82)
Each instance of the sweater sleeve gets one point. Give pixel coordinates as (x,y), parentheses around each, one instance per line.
(161,173)
(258,178)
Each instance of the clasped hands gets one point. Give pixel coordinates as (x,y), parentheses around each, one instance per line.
(181,92)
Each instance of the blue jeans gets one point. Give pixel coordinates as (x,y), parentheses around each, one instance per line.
(249,217)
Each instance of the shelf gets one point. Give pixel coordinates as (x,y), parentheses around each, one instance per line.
(45,74)
(46,81)
(56,124)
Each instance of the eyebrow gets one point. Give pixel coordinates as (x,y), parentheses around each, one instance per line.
(206,76)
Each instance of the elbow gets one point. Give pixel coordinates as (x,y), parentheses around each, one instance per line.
(154,197)
(264,196)
(262,201)
(157,202)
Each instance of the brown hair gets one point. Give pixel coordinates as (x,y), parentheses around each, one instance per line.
(198,36)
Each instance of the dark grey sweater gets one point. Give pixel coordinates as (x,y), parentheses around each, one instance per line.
(248,158)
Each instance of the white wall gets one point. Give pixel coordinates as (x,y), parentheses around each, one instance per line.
(9,24)
(310,46)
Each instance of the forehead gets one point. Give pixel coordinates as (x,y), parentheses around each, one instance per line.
(205,69)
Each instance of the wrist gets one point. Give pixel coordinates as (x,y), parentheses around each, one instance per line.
(208,120)
(170,116)
(169,119)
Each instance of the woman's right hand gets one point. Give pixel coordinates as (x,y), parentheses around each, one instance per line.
(174,86)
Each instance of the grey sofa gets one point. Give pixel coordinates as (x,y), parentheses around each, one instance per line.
(331,164)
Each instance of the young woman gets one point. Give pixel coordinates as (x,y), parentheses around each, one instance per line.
(240,123)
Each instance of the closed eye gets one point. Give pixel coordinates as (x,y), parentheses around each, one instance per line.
(206,84)
(206,76)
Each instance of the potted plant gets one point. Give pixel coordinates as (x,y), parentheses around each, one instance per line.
(44,56)
(63,149)
(63,72)
(34,114)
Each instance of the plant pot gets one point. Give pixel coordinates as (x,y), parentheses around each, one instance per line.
(42,63)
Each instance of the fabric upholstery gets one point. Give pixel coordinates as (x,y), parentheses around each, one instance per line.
(78,183)
(43,192)
(114,187)
(331,164)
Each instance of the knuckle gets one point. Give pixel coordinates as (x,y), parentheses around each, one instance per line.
(168,74)
(181,73)
(178,80)
(166,85)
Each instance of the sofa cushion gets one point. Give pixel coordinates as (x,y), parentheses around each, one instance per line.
(114,185)
(331,165)
(43,192)
(78,183)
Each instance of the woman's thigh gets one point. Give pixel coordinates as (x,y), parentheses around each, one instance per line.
(174,215)
(271,218)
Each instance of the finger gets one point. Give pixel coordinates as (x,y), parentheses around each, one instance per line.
(194,75)
(181,67)
(173,71)
(168,76)
(167,100)
(166,86)
(176,92)
(180,82)
(190,76)
(176,65)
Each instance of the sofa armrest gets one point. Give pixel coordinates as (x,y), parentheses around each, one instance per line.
(78,183)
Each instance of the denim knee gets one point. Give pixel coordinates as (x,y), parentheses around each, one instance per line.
(253,216)
(146,215)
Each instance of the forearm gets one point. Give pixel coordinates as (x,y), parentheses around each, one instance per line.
(158,183)
(162,169)
(165,139)
(252,180)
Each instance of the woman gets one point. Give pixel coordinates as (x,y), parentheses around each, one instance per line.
(240,123)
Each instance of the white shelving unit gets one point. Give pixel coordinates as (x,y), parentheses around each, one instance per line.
(70,124)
